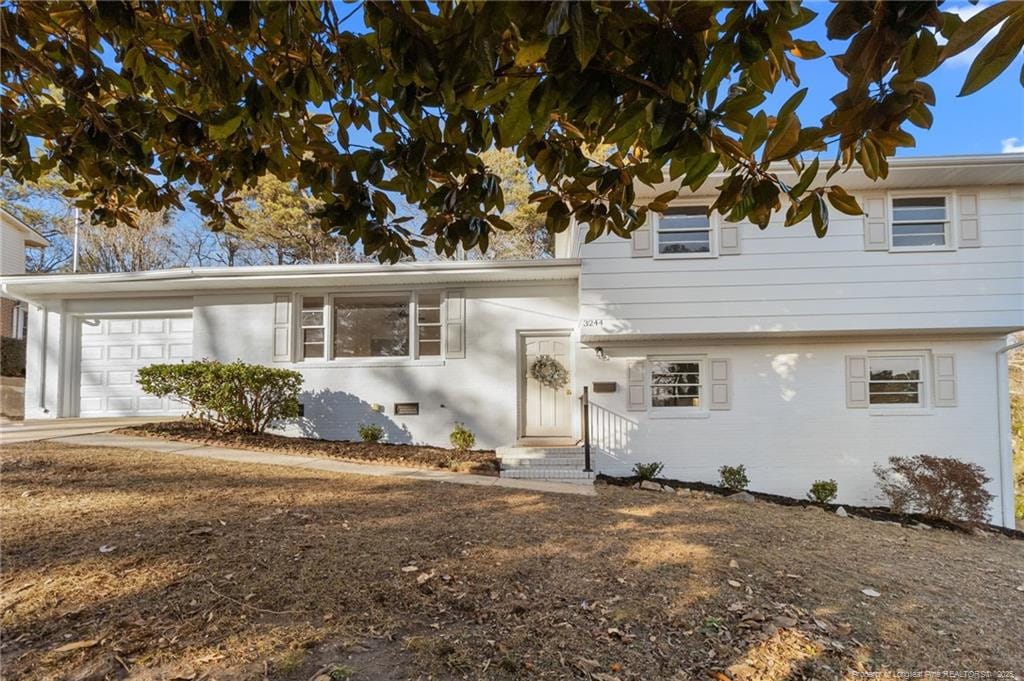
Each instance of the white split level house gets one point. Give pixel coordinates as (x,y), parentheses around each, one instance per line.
(700,342)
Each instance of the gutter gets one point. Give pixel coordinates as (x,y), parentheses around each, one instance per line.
(1005,434)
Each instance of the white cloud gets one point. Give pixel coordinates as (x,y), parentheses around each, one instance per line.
(1011,146)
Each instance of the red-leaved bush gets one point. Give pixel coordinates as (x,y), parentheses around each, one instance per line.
(935,486)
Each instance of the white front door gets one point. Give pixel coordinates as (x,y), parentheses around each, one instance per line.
(546,411)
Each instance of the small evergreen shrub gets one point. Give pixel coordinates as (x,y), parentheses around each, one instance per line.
(12,357)
(648,471)
(371,432)
(823,491)
(232,397)
(462,438)
(940,487)
(734,477)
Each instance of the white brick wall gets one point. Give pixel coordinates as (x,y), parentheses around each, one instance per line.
(789,423)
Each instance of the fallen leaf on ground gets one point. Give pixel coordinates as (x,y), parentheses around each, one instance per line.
(870,592)
(77,645)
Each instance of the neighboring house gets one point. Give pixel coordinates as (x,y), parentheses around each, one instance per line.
(15,237)
(701,342)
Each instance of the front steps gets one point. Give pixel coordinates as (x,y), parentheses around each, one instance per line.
(564,464)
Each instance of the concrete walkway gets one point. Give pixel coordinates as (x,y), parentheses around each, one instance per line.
(316,463)
(48,429)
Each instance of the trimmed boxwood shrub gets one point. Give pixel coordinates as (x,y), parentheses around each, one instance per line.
(234,397)
(12,357)
(462,438)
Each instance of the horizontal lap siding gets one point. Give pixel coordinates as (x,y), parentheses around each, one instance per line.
(786,279)
(479,390)
(789,423)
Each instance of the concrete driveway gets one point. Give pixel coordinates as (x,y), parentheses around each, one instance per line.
(45,429)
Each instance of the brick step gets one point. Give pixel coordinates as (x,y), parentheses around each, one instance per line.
(575,462)
(537,452)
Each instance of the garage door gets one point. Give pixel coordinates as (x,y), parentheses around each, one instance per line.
(114,349)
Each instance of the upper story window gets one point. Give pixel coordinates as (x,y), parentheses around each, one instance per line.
(896,380)
(920,222)
(391,325)
(676,383)
(685,231)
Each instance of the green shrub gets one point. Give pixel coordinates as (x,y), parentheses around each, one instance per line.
(12,357)
(823,491)
(734,477)
(648,471)
(233,397)
(371,432)
(462,438)
(936,486)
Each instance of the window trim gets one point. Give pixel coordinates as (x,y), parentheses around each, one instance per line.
(950,221)
(712,234)
(924,401)
(700,410)
(329,359)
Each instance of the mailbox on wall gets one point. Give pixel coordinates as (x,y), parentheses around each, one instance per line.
(604,386)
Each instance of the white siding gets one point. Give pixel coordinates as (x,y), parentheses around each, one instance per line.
(12,251)
(479,390)
(788,280)
(789,423)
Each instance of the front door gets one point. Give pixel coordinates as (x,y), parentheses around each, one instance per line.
(546,411)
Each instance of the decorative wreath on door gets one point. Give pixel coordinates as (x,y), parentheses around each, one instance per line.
(549,372)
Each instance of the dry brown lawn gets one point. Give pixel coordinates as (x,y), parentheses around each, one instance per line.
(121,563)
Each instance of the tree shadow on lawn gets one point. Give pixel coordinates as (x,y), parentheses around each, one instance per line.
(221,567)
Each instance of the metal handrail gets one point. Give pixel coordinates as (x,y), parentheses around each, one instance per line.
(585,414)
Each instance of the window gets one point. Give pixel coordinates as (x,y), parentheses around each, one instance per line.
(676,383)
(920,222)
(896,380)
(312,327)
(403,325)
(684,230)
(428,324)
(375,326)
(19,321)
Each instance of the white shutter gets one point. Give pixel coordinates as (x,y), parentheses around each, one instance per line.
(729,239)
(718,384)
(640,243)
(857,381)
(945,380)
(282,327)
(876,223)
(970,227)
(455,324)
(636,397)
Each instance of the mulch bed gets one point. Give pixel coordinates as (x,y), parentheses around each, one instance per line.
(879,513)
(478,461)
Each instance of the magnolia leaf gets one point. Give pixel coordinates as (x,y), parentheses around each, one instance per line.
(222,130)
(971,31)
(783,138)
(996,56)
(806,49)
(843,202)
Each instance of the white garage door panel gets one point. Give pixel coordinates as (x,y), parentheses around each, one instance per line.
(113,350)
